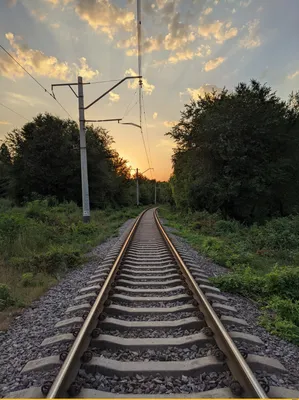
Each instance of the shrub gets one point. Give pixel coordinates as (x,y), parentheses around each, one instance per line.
(28,279)
(10,226)
(225,227)
(281,327)
(244,282)
(6,299)
(51,262)
(283,281)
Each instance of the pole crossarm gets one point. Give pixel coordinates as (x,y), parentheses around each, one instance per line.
(113,87)
(69,84)
(103,120)
(130,123)
(146,171)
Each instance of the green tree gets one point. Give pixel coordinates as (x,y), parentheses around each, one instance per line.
(237,152)
(45,159)
(6,183)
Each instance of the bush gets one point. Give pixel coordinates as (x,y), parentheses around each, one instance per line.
(225,227)
(244,282)
(283,328)
(51,262)
(28,279)
(283,281)
(6,299)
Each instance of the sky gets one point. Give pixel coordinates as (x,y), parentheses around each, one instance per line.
(189,47)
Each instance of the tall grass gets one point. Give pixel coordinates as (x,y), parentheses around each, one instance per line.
(263,259)
(42,240)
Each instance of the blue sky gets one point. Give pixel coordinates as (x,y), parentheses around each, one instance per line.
(189,47)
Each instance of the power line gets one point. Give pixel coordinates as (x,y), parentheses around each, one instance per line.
(10,109)
(127,110)
(31,76)
(111,80)
(147,135)
(140,74)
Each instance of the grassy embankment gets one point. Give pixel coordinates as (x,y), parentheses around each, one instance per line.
(39,243)
(263,259)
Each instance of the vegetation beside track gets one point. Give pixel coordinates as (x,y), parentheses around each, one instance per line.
(263,260)
(42,240)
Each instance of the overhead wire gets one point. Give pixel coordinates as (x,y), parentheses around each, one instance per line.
(31,76)
(147,135)
(10,109)
(110,80)
(140,80)
(127,110)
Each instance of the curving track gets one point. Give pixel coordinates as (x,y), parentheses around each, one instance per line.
(149,322)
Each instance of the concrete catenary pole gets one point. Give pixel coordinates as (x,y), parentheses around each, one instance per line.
(155,191)
(137,188)
(83,154)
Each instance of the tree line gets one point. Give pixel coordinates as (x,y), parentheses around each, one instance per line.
(238,152)
(42,159)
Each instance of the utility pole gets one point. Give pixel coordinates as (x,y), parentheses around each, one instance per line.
(155,192)
(83,154)
(137,188)
(82,120)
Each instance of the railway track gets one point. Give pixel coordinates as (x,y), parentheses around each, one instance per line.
(150,323)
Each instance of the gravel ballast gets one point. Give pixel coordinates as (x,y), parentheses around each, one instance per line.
(170,353)
(155,384)
(287,353)
(21,342)
(151,333)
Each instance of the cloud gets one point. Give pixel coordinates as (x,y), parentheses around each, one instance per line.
(53,2)
(252,39)
(5,122)
(38,15)
(170,124)
(292,76)
(200,92)
(149,44)
(155,115)
(55,26)
(179,34)
(245,3)
(20,99)
(84,70)
(181,56)
(134,83)
(114,97)
(187,54)
(212,64)
(207,11)
(106,17)
(203,51)
(35,61)
(11,3)
(218,30)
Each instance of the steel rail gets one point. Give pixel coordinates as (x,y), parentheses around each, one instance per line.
(236,363)
(68,370)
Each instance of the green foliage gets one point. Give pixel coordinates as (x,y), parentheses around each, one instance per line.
(283,328)
(42,161)
(237,153)
(28,279)
(257,256)
(6,299)
(44,239)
